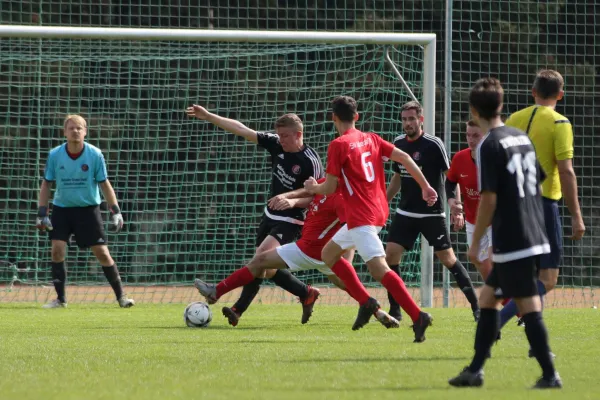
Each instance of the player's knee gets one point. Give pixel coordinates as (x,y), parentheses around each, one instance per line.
(58,252)
(103,255)
(378,268)
(487,297)
(393,253)
(447,257)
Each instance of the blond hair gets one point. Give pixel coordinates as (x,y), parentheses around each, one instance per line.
(290,121)
(75,118)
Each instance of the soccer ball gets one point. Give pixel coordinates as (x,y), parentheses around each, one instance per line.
(197,315)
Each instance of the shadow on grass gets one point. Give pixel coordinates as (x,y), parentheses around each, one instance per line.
(376,359)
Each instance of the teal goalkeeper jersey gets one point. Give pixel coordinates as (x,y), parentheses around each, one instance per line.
(76,180)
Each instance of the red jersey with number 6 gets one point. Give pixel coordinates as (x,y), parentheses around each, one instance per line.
(464,172)
(325,216)
(357,158)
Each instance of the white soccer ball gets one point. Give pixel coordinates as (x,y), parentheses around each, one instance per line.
(197,315)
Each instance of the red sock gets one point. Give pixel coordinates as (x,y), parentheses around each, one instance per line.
(345,271)
(395,285)
(505,301)
(241,277)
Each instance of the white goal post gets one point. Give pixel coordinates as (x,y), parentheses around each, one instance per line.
(426,40)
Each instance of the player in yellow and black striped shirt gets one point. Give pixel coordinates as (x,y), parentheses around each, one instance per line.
(552,135)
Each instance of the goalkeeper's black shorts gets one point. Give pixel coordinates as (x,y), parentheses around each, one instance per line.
(83,222)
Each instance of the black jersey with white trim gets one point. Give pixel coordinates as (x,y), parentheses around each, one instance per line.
(429,153)
(507,165)
(290,170)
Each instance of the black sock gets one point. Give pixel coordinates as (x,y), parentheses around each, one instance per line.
(249,292)
(112,276)
(59,279)
(464,283)
(487,331)
(537,335)
(393,303)
(285,280)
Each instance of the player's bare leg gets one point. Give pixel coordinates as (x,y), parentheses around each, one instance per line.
(59,274)
(112,274)
(449,260)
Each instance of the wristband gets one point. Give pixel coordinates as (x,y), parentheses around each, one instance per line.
(114,209)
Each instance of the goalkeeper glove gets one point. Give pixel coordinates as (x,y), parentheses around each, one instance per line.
(116,219)
(42,221)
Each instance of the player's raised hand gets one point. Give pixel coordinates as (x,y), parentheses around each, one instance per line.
(280,202)
(42,222)
(578,227)
(116,219)
(430,196)
(310,184)
(197,111)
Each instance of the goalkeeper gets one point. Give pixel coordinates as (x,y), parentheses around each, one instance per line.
(78,169)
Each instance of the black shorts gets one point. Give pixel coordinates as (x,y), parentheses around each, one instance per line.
(515,279)
(84,222)
(554,233)
(284,232)
(405,230)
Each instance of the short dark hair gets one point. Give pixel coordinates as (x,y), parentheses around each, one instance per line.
(290,121)
(486,97)
(472,122)
(344,107)
(548,83)
(412,105)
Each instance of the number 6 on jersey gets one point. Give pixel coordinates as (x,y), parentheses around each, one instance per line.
(367,166)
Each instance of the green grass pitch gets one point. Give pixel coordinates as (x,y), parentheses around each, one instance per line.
(103,352)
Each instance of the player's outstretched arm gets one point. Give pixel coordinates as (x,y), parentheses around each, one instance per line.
(429,194)
(111,200)
(42,221)
(230,125)
(394,186)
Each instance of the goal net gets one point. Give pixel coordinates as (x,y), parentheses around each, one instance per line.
(192,195)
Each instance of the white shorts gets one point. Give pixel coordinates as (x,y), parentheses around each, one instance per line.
(296,260)
(484,244)
(363,238)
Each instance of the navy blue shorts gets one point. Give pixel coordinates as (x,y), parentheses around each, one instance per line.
(554,233)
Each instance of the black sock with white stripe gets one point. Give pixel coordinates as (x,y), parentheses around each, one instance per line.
(464,283)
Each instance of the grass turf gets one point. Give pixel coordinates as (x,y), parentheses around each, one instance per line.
(147,352)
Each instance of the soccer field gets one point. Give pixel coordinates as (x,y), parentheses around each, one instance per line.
(147,352)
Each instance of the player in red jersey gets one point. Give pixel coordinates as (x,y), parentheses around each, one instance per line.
(463,171)
(324,218)
(356,158)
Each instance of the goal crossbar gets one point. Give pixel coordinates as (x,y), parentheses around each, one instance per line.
(426,40)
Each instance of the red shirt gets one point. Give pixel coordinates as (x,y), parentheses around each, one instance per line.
(463,171)
(356,158)
(324,218)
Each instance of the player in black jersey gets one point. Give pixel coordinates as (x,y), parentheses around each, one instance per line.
(413,215)
(509,182)
(292,163)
